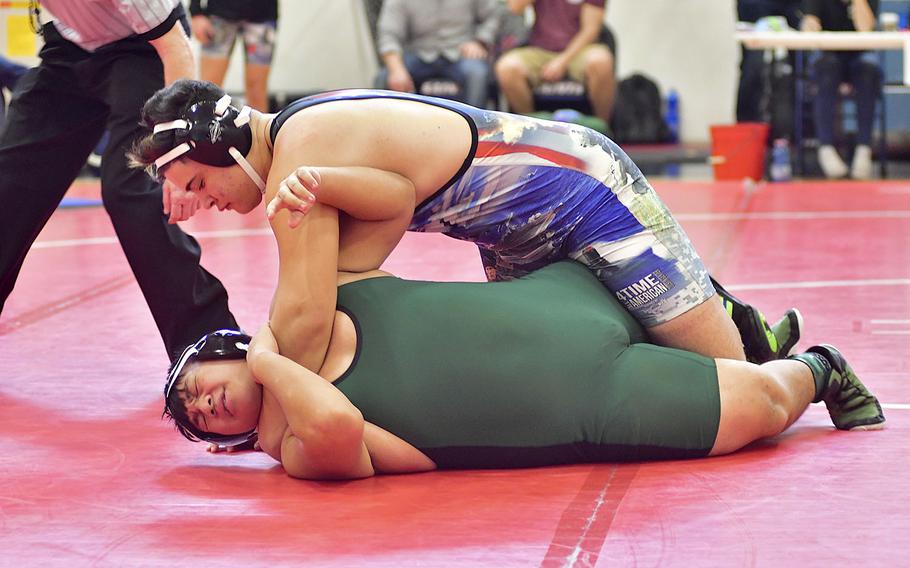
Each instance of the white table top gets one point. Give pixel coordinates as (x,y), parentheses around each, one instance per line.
(830,41)
(844,41)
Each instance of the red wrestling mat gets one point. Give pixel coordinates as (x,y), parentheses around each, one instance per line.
(92,477)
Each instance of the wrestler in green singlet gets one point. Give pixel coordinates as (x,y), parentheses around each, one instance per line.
(546,369)
(542,370)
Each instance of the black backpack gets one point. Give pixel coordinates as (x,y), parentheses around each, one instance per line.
(637,115)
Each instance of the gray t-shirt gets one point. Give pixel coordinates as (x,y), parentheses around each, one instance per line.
(431,28)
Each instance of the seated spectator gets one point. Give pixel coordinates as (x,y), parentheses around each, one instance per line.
(450,39)
(217,23)
(566,40)
(753,94)
(836,67)
(9,74)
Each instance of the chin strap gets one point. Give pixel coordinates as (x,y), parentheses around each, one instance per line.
(247,168)
(243,117)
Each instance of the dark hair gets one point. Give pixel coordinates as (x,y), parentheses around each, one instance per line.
(169,103)
(175,407)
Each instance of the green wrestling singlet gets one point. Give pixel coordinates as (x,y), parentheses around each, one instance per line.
(545,369)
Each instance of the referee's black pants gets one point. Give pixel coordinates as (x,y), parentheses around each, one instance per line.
(57,114)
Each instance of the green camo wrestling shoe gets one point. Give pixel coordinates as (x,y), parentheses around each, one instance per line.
(849,402)
(787,331)
(759,340)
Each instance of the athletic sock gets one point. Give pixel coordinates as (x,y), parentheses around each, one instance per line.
(821,371)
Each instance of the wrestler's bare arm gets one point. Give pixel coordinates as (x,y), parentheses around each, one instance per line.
(303,307)
(364,193)
(324,436)
(313,429)
(376,206)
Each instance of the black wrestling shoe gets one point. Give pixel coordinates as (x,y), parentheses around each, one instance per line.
(759,341)
(849,402)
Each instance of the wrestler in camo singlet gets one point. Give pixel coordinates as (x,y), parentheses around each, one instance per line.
(532,192)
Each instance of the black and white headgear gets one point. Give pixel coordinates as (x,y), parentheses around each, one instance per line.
(224,344)
(213,133)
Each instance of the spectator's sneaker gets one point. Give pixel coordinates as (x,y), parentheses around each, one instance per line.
(759,341)
(861,167)
(787,331)
(831,163)
(850,404)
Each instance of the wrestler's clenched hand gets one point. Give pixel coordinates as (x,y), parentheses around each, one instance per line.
(297,194)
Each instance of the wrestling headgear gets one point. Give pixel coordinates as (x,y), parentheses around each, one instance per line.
(212,133)
(224,344)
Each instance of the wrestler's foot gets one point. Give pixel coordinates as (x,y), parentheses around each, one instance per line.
(759,341)
(849,402)
(787,331)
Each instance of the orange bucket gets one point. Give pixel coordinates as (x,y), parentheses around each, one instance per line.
(738,150)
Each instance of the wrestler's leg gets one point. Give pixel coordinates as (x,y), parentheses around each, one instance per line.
(667,403)
(659,278)
(705,329)
(641,253)
(761,401)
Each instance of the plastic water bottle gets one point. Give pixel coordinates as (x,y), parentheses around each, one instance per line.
(673,115)
(781,169)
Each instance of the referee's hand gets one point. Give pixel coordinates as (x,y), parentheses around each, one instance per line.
(179,204)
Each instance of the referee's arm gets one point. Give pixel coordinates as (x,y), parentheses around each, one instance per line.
(173,46)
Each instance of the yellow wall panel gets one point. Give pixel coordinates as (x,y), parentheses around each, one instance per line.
(20,39)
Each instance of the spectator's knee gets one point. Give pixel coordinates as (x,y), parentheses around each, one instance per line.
(599,68)
(510,70)
(599,64)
